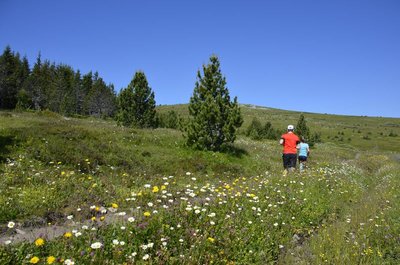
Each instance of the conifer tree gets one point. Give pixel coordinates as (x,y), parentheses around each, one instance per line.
(9,69)
(137,104)
(302,128)
(214,118)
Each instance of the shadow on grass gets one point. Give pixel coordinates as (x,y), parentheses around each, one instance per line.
(5,143)
(233,150)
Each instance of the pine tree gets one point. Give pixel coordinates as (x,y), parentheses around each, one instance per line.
(137,104)
(214,118)
(9,69)
(41,84)
(302,128)
(101,98)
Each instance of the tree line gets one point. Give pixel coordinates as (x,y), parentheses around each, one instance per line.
(213,117)
(55,87)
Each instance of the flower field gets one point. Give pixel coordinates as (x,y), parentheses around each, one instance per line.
(170,205)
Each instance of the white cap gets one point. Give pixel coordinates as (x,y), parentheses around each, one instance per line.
(290,127)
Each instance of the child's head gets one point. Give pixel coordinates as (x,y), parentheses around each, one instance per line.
(302,139)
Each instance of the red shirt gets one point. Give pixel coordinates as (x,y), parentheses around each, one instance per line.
(290,141)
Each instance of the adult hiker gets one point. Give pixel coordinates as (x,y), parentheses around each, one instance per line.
(304,152)
(289,141)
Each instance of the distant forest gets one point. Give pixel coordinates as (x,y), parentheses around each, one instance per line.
(55,87)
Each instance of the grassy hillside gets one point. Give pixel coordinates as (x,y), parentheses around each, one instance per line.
(365,133)
(141,196)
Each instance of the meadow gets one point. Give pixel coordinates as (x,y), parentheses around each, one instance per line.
(86,191)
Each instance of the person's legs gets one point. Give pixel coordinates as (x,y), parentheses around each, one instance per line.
(302,162)
(292,162)
(286,163)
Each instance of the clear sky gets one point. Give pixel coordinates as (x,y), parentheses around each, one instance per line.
(337,57)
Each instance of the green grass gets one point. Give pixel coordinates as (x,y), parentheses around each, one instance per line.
(231,207)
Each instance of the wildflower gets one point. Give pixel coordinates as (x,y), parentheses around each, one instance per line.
(34,260)
(70,217)
(39,242)
(96,245)
(69,262)
(102,218)
(155,189)
(115,242)
(147,214)
(11,224)
(210,239)
(51,259)
(7,242)
(146,257)
(114,205)
(131,219)
(67,234)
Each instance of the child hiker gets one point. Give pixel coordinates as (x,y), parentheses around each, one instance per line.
(304,152)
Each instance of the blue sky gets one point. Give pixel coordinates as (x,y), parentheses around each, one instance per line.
(337,57)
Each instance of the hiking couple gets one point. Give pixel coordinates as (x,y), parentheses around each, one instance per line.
(291,143)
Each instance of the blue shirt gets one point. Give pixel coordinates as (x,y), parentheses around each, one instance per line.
(303,150)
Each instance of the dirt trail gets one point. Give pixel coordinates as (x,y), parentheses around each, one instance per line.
(30,234)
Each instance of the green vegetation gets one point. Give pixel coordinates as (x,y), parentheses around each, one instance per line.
(96,193)
(137,106)
(57,88)
(214,118)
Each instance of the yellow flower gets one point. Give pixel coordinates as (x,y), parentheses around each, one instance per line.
(39,242)
(50,260)
(147,214)
(62,173)
(155,189)
(93,218)
(102,218)
(34,260)
(163,187)
(210,239)
(114,205)
(67,234)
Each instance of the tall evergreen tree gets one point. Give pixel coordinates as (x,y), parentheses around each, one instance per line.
(214,117)
(101,98)
(137,106)
(9,70)
(78,93)
(87,83)
(41,84)
(302,128)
